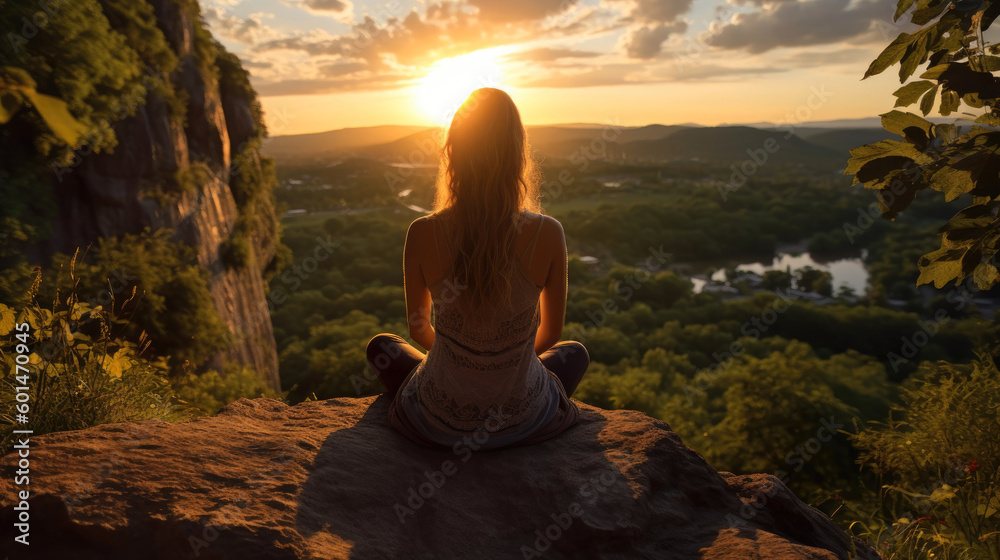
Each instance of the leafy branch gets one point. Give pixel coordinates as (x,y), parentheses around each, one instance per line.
(17,90)
(943,157)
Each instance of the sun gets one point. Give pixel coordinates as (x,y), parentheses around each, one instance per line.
(451,80)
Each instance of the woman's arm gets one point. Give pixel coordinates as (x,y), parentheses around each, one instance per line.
(553,296)
(418,296)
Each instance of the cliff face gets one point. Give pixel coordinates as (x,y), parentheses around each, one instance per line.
(331,480)
(106,195)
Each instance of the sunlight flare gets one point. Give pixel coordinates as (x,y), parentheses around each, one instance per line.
(451,80)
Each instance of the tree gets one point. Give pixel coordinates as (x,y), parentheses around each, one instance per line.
(777,280)
(814,280)
(944,157)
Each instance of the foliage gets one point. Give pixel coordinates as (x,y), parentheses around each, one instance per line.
(777,280)
(17,90)
(101,58)
(938,457)
(192,177)
(93,56)
(814,280)
(211,390)
(953,160)
(236,251)
(331,361)
(82,372)
(173,307)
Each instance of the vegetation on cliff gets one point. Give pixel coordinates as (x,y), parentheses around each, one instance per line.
(109,60)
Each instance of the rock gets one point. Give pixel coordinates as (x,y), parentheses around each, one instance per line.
(106,194)
(330,479)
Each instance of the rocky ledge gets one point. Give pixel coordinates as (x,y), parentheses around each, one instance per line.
(330,479)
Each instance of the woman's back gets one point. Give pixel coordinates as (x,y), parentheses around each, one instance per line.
(482,372)
(485,280)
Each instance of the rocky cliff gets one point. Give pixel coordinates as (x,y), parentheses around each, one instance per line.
(109,194)
(330,479)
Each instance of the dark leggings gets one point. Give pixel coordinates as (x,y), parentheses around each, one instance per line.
(392,358)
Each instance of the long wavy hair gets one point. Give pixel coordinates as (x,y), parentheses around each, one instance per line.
(487,177)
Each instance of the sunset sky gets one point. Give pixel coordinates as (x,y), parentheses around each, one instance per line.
(327,64)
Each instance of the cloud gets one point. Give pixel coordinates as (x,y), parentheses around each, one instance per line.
(660,10)
(445,29)
(341,10)
(342,69)
(639,73)
(327,5)
(710,72)
(262,65)
(646,41)
(603,75)
(393,46)
(519,10)
(797,24)
(311,86)
(858,57)
(545,54)
(249,31)
(653,11)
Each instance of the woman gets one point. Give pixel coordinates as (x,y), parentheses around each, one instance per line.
(494,271)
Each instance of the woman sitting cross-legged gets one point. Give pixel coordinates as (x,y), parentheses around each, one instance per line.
(494,272)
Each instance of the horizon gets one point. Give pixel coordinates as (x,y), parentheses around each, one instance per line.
(835,123)
(321,65)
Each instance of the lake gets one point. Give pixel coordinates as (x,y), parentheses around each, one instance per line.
(846,272)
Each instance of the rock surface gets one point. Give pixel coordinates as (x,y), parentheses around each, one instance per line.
(330,480)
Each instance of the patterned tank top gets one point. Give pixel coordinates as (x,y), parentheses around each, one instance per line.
(482,375)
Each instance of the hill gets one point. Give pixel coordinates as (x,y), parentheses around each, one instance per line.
(843,139)
(334,143)
(651,143)
(727,144)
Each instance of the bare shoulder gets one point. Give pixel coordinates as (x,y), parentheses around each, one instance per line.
(419,227)
(551,228)
(551,238)
(418,238)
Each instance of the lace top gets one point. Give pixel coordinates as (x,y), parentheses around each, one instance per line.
(482,376)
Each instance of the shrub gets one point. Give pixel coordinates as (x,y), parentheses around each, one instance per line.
(175,307)
(236,252)
(212,390)
(79,373)
(938,457)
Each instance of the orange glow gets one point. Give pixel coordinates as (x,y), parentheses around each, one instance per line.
(451,80)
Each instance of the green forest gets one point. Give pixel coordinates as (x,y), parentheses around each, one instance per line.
(878,406)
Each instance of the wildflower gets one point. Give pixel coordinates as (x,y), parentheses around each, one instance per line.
(974,465)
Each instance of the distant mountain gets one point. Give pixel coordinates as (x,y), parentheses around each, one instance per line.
(727,144)
(844,139)
(650,132)
(558,142)
(572,149)
(416,148)
(545,135)
(654,142)
(864,122)
(334,142)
